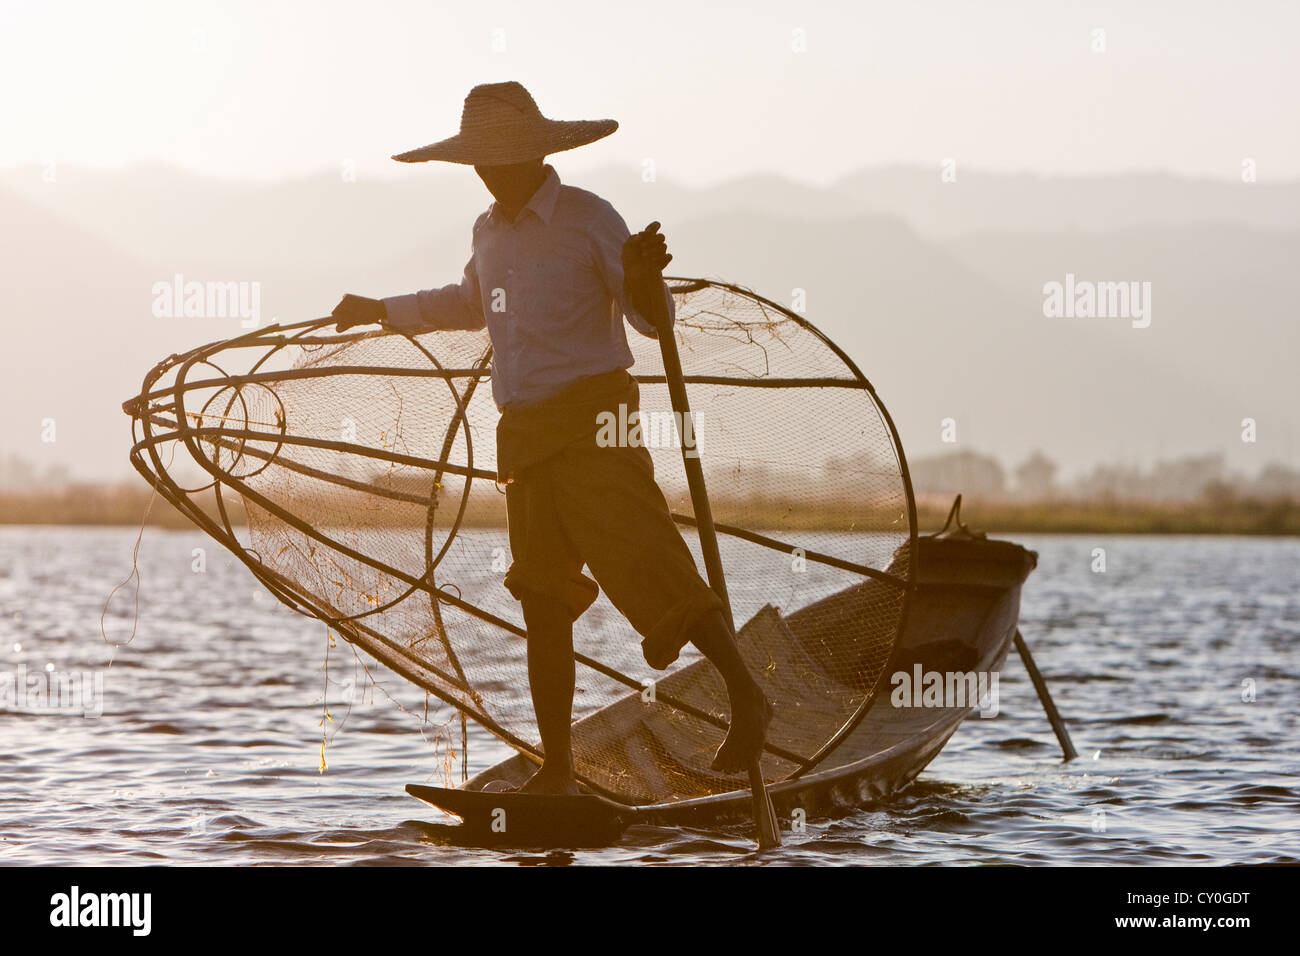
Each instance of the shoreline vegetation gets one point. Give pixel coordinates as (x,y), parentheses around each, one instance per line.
(1217,512)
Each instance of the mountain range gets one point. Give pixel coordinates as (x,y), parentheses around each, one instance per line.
(935,289)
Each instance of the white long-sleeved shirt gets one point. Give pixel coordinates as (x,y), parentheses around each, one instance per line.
(548,286)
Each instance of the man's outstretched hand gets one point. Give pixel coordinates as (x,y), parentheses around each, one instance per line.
(645,256)
(357,310)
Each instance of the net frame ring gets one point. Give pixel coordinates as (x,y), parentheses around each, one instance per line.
(237,390)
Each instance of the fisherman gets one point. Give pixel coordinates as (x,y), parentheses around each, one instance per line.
(552,274)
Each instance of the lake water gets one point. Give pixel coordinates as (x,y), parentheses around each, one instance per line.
(1177,669)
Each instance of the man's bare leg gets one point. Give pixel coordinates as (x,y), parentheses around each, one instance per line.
(750,710)
(551,681)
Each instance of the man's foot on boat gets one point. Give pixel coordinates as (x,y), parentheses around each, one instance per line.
(745,739)
(555,783)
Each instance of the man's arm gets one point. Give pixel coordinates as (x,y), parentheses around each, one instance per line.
(628,287)
(455,306)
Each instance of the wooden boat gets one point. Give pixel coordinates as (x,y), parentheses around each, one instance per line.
(963,618)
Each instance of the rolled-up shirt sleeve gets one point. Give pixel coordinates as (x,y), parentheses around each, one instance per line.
(455,306)
(609,233)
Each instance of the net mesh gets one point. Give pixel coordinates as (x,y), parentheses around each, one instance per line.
(363,467)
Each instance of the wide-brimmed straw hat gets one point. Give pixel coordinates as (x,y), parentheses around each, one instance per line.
(501,125)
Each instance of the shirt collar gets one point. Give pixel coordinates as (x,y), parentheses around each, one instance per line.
(543,201)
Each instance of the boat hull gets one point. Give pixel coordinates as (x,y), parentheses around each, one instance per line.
(963,619)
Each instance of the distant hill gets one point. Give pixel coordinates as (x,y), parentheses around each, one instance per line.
(156,211)
(934,289)
(982,202)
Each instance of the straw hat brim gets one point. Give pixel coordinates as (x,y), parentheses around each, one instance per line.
(485,147)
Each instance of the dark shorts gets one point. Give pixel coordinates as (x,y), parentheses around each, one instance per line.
(601,507)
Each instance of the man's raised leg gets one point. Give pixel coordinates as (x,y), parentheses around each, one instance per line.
(750,710)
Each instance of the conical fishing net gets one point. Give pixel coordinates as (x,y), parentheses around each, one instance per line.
(355,476)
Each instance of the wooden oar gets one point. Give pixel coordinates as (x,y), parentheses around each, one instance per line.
(1040,685)
(769,833)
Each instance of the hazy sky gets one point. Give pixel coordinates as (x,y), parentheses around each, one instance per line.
(708,90)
